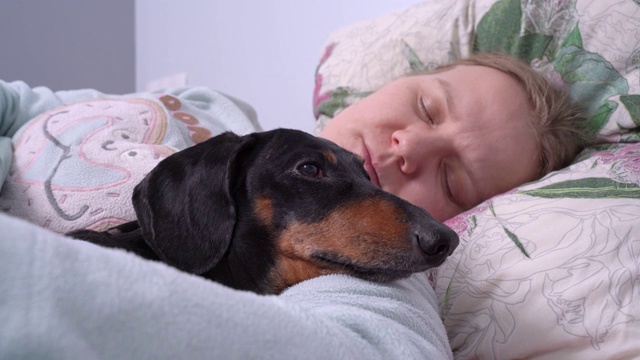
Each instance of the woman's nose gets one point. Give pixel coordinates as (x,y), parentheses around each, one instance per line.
(404,147)
(416,151)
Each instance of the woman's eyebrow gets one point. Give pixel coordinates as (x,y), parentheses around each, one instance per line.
(448,91)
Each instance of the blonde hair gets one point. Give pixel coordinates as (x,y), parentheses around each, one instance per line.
(560,126)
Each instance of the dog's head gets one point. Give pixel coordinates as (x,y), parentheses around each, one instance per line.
(267,210)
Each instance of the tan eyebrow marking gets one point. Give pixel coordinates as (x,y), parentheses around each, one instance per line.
(331,157)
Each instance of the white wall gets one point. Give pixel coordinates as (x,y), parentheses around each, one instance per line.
(262,51)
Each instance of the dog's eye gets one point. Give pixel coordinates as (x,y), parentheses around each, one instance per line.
(310,170)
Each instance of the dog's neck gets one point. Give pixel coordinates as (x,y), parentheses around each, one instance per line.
(235,271)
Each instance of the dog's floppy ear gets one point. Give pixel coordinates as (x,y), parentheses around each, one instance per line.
(184,206)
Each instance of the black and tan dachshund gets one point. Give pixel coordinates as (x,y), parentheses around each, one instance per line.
(265,211)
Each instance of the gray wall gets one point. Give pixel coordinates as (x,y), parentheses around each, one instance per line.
(69,44)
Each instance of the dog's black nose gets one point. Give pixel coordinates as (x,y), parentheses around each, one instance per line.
(437,243)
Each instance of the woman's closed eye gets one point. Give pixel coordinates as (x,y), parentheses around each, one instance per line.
(424,112)
(454,186)
(446,184)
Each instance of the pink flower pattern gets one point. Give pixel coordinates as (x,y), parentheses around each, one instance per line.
(625,162)
(317,97)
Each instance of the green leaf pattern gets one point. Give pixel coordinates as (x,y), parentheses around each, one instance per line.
(550,34)
(589,188)
(632,103)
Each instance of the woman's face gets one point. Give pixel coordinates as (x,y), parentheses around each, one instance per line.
(444,141)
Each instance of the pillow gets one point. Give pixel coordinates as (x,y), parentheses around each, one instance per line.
(548,270)
(592,48)
(75,166)
(552,268)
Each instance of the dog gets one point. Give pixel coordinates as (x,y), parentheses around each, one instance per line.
(265,211)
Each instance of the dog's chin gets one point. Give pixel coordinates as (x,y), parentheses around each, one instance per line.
(383,272)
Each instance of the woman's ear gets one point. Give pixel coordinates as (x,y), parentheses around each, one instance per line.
(184,206)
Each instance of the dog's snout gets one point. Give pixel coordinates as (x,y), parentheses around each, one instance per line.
(437,243)
(431,249)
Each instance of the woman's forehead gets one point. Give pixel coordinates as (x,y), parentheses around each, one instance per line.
(483,83)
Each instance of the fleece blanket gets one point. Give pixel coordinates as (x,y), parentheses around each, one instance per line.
(67,299)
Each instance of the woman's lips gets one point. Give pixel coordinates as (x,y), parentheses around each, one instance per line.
(368,166)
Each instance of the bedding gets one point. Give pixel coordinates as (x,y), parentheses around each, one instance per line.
(67,299)
(549,270)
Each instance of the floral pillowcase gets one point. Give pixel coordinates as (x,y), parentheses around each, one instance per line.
(550,269)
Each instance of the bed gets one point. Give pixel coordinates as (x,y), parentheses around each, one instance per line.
(548,270)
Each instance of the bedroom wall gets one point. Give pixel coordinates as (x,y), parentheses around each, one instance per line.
(69,44)
(264,52)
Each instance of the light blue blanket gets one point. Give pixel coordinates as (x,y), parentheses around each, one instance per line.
(66,299)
